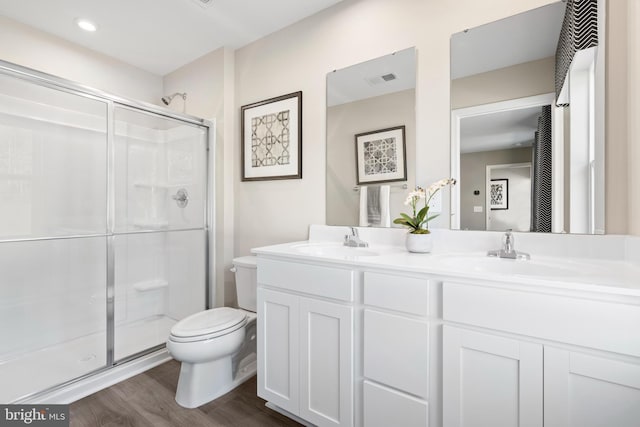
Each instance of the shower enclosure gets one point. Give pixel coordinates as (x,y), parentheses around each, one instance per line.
(103,229)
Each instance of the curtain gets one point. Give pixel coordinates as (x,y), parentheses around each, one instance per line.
(541,214)
(579,31)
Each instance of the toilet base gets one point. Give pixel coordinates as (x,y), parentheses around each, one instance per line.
(200,383)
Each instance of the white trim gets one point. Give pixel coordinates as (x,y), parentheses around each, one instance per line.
(581,84)
(557,170)
(479,110)
(94,383)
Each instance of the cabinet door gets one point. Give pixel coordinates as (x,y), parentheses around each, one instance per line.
(587,391)
(278,346)
(396,352)
(490,380)
(326,363)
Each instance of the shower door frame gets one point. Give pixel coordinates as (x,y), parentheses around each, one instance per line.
(112,102)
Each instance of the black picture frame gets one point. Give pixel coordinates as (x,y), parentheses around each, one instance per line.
(271,137)
(499,194)
(381,156)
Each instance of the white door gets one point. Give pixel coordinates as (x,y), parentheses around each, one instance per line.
(508,205)
(326,363)
(490,380)
(581,390)
(278,349)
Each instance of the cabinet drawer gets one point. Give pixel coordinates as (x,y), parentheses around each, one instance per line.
(597,324)
(384,407)
(328,282)
(407,294)
(396,351)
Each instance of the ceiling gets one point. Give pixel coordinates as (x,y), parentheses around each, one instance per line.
(364,80)
(525,37)
(499,131)
(160,36)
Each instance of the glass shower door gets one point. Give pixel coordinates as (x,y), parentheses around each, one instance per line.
(160,239)
(53,244)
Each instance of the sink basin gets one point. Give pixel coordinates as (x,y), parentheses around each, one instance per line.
(333,250)
(546,267)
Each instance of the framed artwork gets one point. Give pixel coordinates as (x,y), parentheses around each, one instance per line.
(499,194)
(381,156)
(271,137)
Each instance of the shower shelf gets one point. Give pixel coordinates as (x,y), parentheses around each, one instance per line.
(150,285)
(151,225)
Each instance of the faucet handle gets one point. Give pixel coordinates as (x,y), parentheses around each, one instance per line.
(508,242)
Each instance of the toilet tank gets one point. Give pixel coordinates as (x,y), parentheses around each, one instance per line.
(246,281)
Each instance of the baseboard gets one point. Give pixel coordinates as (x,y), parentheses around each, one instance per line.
(288,414)
(94,383)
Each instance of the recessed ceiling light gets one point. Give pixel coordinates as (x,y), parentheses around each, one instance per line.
(86,25)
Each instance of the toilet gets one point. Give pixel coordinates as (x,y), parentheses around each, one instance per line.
(217,347)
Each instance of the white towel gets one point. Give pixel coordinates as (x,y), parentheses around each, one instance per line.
(369,214)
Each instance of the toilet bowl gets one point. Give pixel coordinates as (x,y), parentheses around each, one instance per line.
(217,346)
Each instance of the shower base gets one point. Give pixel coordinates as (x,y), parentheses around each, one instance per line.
(50,366)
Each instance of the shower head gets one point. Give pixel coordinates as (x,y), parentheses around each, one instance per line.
(167,99)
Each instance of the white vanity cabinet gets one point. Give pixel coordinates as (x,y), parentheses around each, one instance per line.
(395,350)
(411,341)
(305,342)
(543,358)
(585,390)
(490,380)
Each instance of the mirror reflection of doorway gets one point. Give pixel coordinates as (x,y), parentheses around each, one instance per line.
(525,130)
(513,210)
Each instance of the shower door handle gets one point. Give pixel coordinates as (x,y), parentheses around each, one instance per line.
(181,198)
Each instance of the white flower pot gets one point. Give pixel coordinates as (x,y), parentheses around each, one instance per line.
(419,243)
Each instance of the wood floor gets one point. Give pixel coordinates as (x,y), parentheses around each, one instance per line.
(147,400)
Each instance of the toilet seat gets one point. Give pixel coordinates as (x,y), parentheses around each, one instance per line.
(208,324)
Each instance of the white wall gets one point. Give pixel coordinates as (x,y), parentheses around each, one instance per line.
(300,56)
(35,49)
(518,81)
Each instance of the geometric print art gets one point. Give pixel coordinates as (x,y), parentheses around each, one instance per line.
(497,194)
(270,142)
(380,156)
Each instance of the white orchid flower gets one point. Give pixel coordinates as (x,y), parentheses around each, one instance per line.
(419,221)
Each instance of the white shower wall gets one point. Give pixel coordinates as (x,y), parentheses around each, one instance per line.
(155,158)
(52,162)
(154,284)
(51,291)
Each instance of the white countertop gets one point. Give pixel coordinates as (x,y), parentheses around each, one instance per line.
(568,273)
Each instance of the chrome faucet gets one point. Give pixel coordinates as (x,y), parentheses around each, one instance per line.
(353,240)
(508,249)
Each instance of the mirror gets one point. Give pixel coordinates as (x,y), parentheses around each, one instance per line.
(370,108)
(522,162)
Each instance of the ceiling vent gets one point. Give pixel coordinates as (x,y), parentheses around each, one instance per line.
(204,3)
(374,81)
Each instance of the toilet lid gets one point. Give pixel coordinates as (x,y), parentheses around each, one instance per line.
(208,322)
